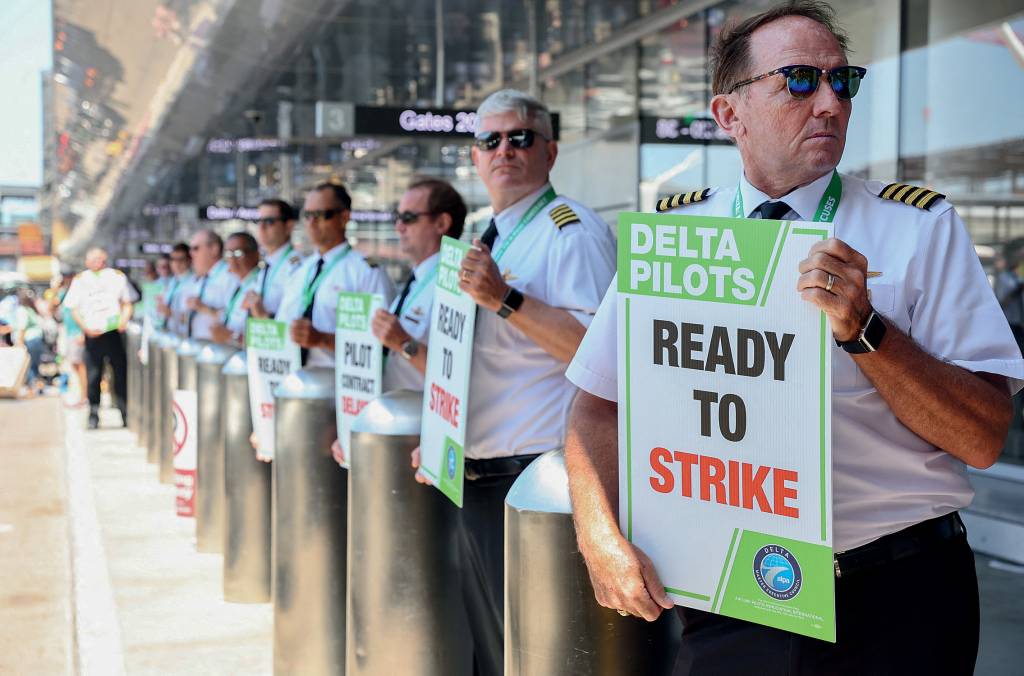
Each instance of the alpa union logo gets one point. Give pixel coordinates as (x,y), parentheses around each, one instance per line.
(777,572)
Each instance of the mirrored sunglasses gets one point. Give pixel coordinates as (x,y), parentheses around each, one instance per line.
(802,81)
(517,138)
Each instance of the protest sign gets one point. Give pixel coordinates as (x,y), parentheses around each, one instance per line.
(185,441)
(725,416)
(270,357)
(358,361)
(446,384)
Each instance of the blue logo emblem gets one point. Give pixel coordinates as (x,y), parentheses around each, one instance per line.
(777,572)
(451,462)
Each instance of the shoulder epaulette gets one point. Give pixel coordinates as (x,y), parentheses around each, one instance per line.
(563,215)
(682,199)
(922,198)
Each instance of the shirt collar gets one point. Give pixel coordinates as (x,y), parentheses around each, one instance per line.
(426,265)
(509,217)
(333,253)
(804,200)
(275,258)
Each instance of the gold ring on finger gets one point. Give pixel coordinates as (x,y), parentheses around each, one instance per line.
(623,613)
(830,282)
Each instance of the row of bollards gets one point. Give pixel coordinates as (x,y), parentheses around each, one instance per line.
(361,564)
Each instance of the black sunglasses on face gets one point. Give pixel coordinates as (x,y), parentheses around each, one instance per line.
(802,81)
(517,138)
(269,220)
(179,259)
(408,217)
(322,214)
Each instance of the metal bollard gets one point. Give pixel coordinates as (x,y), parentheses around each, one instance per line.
(151,419)
(401,531)
(310,508)
(132,339)
(553,624)
(210,458)
(246,495)
(169,346)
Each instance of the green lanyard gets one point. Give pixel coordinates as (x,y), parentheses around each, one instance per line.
(827,207)
(530,214)
(310,289)
(420,285)
(268,277)
(235,295)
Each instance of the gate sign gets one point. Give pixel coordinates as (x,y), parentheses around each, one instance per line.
(358,361)
(725,450)
(446,384)
(270,357)
(185,440)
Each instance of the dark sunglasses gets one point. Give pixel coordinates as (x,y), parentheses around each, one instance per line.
(269,220)
(408,217)
(802,81)
(324,214)
(179,259)
(517,138)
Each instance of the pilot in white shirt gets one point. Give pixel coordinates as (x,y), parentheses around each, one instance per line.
(310,302)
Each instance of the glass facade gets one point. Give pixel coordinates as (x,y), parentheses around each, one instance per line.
(941,105)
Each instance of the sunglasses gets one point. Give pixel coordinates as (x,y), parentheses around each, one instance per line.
(235,253)
(408,217)
(179,259)
(517,138)
(802,81)
(323,214)
(269,220)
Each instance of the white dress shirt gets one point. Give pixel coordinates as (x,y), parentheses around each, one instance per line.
(518,395)
(933,288)
(415,319)
(351,273)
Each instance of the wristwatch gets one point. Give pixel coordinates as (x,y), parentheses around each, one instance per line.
(409,349)
(870,338)
(512,301)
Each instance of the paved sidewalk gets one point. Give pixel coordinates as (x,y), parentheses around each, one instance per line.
(169,599)
(35,571)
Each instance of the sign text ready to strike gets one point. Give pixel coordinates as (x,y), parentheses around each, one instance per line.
(725,416)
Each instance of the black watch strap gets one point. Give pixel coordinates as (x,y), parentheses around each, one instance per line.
(512,301)
(870,338)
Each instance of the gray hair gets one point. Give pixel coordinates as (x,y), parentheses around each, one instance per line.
(527,108)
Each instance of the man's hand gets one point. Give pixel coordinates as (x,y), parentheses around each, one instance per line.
(480,277)
(254,441)
(338,452)
(624,578)
(420,476)
(253,302)
(193,303)
(162,308)
(304,335)
(220,334)
(388,330)
(846,303)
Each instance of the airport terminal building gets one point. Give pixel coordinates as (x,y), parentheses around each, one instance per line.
(221,103)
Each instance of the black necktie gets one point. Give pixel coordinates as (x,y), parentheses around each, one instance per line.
(401,300)
(773,211)
(308,312)
(490,234)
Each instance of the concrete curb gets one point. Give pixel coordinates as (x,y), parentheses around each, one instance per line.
(97,632)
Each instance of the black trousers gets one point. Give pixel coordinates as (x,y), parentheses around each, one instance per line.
(482,568)
(108,347)
(914,616)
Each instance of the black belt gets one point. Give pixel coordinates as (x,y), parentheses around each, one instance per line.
(495,467)
(903,544)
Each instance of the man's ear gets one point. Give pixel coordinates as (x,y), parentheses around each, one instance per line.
(444,224)
(552,154)
(726,115)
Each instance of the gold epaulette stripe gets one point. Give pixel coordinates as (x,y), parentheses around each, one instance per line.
(682,199)
(563,215)
(922,198)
